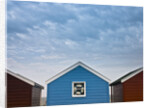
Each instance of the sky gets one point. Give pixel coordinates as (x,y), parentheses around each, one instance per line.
(45,38)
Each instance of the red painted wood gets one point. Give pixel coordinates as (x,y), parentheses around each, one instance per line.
(133,88)
(19,93)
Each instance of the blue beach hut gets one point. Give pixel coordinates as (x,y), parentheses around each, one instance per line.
(78,84)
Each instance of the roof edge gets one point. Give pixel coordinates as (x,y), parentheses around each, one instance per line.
(124,77)
(74,66)
(132,75)
(24,79)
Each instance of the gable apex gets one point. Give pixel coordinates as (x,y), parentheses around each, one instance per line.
(79,63)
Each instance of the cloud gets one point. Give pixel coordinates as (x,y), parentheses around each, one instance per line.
(11,15)
(22,36)
(52,57)
(36,50)
(82,28)
(45,38)
(70,43)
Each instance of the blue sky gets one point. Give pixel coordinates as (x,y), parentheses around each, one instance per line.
(45,38)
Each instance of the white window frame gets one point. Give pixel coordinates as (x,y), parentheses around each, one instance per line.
(73,89)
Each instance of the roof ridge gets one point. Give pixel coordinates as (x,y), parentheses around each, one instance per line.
(79,63)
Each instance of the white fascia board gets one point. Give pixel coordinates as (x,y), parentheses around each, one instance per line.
(130,76)
(21,78)
(61,73)
(74,66)
(95,72)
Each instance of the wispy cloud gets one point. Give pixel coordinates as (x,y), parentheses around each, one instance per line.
(21,36)
(70,43)
(46,38)
(52,57)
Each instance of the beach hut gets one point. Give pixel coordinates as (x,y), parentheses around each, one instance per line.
(22,92)
(128,88)
(78,84)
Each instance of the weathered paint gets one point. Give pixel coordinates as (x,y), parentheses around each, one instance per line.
(117,93)
(36,96)
(59,92)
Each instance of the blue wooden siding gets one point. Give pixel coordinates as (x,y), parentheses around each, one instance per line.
(59,92)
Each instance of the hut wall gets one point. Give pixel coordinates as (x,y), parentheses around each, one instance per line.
(133,88)
(59,92)
(117,93)
(18,92)
(36,95)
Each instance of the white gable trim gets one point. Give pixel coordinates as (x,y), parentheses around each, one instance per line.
(21,78)
(74,66)
(130,76)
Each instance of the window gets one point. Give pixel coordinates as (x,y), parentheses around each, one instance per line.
(78,89)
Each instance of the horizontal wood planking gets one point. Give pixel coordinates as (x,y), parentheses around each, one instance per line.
(133,88)
(117,93)
(18,92)
(36,96)
(60,90)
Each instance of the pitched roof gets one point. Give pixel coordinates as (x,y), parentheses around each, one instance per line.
(24,79)
(73,67)
(127,76)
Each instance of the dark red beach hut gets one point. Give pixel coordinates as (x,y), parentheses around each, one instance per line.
(22,92)
(128,88)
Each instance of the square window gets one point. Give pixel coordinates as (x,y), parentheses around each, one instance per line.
(78,89)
